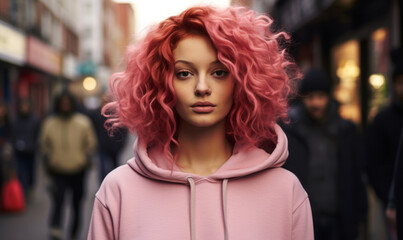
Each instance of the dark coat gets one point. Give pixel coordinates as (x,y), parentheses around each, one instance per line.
(382,143)
(351,194)
(398,191)
(25,133)
(109,144)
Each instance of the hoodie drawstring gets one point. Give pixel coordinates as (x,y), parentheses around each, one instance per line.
(192,207)
(224,207)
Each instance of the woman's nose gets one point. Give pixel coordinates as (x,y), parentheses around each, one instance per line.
(202,88)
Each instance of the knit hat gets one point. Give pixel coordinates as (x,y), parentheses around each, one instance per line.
(314,80)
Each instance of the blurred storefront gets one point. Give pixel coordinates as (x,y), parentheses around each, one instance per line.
(346,62)
(47,45)
(42,72)
(12,57)
(361,69)
(351,40)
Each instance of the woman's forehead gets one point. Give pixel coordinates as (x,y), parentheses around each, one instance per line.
(195,48)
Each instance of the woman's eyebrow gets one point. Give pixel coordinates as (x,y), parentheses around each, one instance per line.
(191,64)
(184,61)
(217,62)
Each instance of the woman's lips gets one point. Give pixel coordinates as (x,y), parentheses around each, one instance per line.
(203,107)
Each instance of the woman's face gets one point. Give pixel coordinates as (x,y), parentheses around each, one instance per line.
(203,85)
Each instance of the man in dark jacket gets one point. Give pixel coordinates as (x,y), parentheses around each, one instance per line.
(110,145)
(324,155)
(25,133)
(383,138)
(398,192)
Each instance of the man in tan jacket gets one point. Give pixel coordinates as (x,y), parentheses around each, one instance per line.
(67,144)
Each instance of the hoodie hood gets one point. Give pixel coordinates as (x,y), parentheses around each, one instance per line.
(244,161)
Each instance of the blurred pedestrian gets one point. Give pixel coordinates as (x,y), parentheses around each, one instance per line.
(383,143)
(203,91)
(109,144)
(25,131)
(67,143)
(5,143)
(398,191)
(8,167)
(394,210)
(5,127)
(324,154)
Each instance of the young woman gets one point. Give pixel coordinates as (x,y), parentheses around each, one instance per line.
(203,91)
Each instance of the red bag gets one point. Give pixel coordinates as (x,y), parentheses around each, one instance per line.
(13,199)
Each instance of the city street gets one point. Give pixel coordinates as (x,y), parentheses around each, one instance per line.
(332,68)
(32,223)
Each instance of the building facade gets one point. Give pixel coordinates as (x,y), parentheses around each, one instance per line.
(106,28)
(46,45)
(46,38)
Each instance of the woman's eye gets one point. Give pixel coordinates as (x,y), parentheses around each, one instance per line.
(220,73)
(183,74)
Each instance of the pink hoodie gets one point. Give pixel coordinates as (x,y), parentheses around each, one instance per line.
(249,197)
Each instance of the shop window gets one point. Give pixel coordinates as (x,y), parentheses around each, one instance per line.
(379,61)
(347,72)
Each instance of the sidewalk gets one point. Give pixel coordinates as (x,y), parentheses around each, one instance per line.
(33,222)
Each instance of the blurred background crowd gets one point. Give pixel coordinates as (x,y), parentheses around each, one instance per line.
(349,110)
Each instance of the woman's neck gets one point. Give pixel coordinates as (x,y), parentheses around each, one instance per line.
(203,150)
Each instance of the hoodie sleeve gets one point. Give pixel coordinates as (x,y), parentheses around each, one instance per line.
(101,226)
(302,225)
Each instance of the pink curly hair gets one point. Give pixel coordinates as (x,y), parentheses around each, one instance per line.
(144,96)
